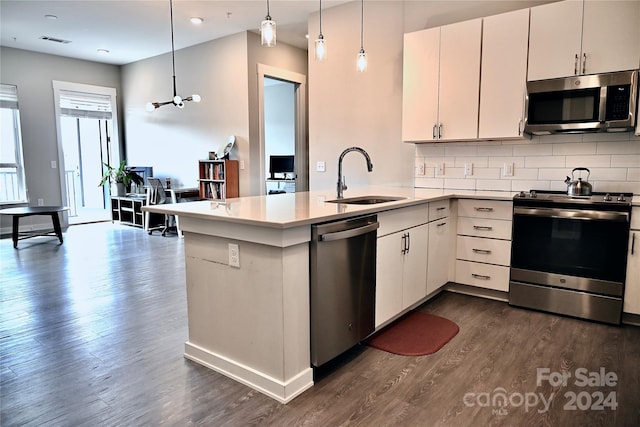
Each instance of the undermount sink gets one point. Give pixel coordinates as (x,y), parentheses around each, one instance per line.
(366,200)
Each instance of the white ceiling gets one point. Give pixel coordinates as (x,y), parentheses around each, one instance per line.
(132,30)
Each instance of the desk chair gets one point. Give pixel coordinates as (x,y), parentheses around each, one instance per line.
(156,195)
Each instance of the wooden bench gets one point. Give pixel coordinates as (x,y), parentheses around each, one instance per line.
(18,213)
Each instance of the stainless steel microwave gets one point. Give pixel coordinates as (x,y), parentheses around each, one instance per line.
(591,103)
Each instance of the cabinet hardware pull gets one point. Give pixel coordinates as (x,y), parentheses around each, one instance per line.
(481,209)
(403,244)
(441,208)
(435,126)
(575,65)
(584,63)
(480,276)
(520,127)
(408,242)
(482,227)
(633,242)
(482,251)
(440,131)
(444,223)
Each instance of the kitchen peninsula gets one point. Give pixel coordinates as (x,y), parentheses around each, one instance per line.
(248,305)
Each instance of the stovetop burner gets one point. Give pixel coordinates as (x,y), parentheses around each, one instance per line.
(597,200)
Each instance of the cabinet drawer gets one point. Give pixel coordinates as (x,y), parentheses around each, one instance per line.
(492,209)
(482,227)
(400,219)
(477,249)
(486,276)
(438,210)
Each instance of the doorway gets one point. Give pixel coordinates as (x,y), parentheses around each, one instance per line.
(283,129)
(87,139)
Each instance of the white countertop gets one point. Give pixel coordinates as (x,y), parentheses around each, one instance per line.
(295,209)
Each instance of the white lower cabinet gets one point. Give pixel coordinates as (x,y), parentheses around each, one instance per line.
(401,271)
(438,254)
(483,243)
(632,286)
(401,266)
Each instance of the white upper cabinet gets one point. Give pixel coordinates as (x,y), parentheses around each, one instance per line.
(441,81)
(459,80)
(505,40)
(574,37)
(420,85)
(610,36)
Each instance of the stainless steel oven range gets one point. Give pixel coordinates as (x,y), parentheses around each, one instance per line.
(569,253)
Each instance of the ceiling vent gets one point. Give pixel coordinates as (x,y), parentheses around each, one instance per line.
(53,39)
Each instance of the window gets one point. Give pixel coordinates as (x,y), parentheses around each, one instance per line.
(12,182)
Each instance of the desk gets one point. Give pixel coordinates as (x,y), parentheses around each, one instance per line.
(177,195)
(18,213)
(288,187)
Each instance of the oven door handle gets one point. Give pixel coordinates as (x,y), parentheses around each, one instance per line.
(573,214)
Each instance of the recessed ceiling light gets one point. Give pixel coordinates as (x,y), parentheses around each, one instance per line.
(103,51)
(196,20)
(51,17)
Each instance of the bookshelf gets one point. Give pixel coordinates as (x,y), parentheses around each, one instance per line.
(218,179)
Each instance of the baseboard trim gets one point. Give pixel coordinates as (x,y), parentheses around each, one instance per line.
(281,391)
(477,292)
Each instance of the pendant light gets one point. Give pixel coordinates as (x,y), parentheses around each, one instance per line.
(361,63)
(268,30)
(177,100)
(321,44)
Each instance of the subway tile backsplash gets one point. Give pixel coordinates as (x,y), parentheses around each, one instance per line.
(543,162)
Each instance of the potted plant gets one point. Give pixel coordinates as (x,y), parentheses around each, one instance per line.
(122,176)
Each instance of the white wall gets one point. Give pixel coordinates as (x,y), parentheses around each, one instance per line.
(348,108)
(224,73)
(33,73)
(172,140)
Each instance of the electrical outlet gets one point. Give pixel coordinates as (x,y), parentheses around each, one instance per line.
(420,169)
(234,255)
(54,164)
(40,202)
(507,170)
(468,169)
(440,169)
(320,167)
(241,164)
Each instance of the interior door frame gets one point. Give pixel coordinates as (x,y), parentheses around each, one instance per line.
(116,155)
(300,108)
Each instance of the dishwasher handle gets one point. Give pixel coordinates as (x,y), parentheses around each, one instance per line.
(338,235)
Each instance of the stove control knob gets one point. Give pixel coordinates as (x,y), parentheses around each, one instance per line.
(621,198)
(607,197)
(522,194)
(533,194)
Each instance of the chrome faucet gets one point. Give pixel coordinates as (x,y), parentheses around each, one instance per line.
(341,183)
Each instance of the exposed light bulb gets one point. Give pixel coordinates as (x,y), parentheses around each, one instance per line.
(196,20)
(268,32)
(150,107)
(362,61)
(321,48)
(177,99)
(195,97)
(180,104)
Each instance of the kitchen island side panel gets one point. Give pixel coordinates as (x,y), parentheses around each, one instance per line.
(250,323)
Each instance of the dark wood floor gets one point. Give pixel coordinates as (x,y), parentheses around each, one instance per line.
(92,333)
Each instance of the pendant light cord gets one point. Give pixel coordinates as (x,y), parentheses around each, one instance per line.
(268,17)
(361,24)
(321,17)
(173,54)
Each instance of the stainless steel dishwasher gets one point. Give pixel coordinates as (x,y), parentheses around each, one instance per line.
(343,285)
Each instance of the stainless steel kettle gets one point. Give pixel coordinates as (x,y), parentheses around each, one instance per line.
(579,187)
